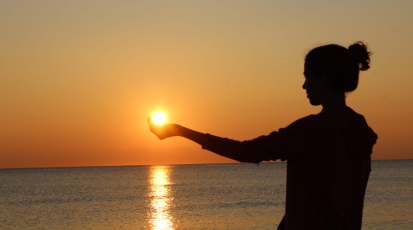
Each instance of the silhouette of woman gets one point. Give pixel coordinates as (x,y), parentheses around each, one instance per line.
(327,154)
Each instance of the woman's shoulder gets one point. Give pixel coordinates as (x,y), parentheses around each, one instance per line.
(313,122)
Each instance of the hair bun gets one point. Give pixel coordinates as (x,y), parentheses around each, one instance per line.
(361,55)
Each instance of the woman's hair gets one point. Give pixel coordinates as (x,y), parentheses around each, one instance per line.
(341,65)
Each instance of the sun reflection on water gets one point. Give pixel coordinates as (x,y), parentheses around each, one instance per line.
(161,197)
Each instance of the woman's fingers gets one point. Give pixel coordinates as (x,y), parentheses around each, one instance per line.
(152,126)
(150,122)
(159,131)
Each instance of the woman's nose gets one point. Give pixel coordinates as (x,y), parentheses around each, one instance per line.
(304,84)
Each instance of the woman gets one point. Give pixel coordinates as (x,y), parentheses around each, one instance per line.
(328,154)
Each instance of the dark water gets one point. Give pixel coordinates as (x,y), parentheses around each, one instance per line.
(228,196)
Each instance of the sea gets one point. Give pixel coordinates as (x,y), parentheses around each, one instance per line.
(209,196)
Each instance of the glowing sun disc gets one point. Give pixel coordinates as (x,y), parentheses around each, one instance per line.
(159,118)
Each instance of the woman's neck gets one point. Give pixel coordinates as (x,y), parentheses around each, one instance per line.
(333,99)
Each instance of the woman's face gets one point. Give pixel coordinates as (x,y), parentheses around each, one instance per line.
(313,87)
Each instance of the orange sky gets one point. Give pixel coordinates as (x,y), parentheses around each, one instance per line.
(79,78)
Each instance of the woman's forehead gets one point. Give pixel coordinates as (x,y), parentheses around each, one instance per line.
(306,71)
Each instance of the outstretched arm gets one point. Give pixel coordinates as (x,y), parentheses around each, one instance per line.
(253,151)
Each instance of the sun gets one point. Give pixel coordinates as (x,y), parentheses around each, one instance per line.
(159,118)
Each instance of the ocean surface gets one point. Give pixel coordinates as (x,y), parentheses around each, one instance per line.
(218,196)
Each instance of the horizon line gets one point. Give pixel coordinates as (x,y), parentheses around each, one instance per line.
(172,164)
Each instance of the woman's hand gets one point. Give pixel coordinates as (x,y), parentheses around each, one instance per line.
(163,131)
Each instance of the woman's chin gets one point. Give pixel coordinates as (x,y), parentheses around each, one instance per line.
(314,102)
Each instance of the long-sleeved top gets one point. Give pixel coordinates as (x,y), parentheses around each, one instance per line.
(328,166)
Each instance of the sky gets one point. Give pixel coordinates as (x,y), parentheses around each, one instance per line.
(79,78)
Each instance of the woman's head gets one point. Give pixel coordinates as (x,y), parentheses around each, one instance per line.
(337,65)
